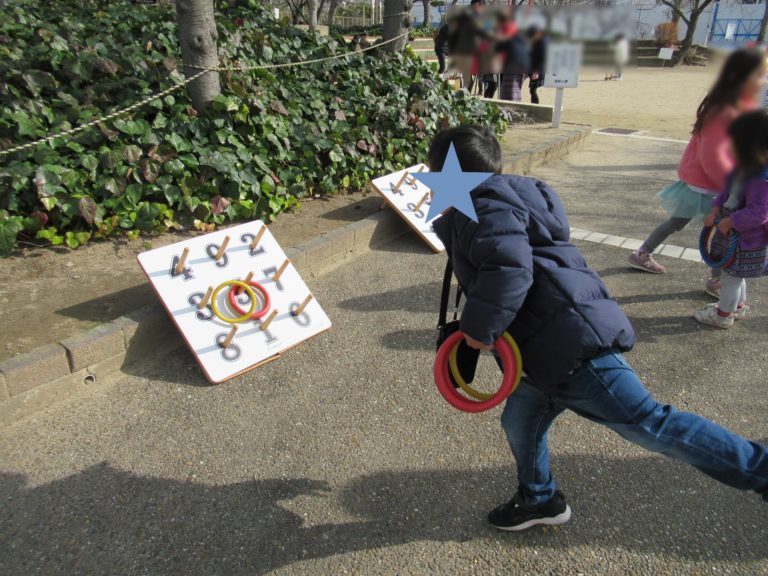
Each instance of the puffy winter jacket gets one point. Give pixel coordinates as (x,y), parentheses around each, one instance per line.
(520,274)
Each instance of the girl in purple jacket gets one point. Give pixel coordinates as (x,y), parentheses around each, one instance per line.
(742,208)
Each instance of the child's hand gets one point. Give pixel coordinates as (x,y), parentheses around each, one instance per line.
(725,226)
(476,344)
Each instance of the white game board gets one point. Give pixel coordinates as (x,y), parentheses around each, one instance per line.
(203,332)
(406,199)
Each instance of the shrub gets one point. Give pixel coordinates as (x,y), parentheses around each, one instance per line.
(666,34)
(270,138)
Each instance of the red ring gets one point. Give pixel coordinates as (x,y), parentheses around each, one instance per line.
(259,313)
(452,395)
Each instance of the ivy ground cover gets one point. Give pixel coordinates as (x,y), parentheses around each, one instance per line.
(271,137)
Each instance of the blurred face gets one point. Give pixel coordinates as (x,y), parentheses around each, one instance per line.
(753,87)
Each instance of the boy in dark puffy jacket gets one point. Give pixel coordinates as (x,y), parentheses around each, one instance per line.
(521,275)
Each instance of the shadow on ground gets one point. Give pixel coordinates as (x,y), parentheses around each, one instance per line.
(105,520)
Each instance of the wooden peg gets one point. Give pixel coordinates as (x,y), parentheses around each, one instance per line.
(222,249)
(257,238)
(300,307)
(182,261)
(280,271)
(230,337)
(400,182)
(204,302)
(421,202)
(246,281)
(421,169)
(383,205)
(265,324)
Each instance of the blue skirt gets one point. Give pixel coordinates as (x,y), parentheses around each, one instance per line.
(680,201)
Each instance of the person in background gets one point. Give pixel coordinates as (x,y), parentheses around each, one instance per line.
(464,39)
(441,45)
(742,207)
(538,40)
(620,54)
(517,62)
(707,159)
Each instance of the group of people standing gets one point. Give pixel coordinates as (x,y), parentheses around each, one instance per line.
(490,50)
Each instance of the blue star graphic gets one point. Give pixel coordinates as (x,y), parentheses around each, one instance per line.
(452,187)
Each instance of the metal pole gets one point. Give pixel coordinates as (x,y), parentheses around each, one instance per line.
(557,112)
(711,34)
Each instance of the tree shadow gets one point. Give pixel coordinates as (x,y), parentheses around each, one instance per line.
(107,521)
(658,328)
(419,298)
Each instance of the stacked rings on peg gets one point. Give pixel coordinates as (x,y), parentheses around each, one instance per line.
(508,352)
(263,297)
(248,290)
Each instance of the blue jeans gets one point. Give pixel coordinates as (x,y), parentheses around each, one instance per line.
(606,390)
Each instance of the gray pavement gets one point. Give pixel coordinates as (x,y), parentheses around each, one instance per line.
(341,457)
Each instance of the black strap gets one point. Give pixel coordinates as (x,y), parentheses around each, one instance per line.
(446,293)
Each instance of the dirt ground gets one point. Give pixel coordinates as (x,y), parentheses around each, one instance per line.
(48,293)
(660,101)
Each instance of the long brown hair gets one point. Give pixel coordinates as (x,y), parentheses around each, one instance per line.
(739,66)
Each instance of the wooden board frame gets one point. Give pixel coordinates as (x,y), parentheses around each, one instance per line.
(408,198)
(177,290)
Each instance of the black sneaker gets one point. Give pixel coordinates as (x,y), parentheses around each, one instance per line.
(516,515)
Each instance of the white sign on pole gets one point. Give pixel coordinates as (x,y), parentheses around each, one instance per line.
(561,70)
(562,67)
(666,53)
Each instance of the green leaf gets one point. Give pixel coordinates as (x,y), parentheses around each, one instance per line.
(132,153)
(151,170)
(8,231)
(87,208)
(133,193)
(89,162)
(267,185)
(146,216)
(178,143)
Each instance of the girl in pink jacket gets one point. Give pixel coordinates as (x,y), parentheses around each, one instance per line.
(707,159)
(742,208)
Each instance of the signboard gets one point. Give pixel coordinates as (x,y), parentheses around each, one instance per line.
(562,66)
(193,280)
(666,53)
(411,200)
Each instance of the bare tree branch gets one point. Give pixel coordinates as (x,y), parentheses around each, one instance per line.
(676,9)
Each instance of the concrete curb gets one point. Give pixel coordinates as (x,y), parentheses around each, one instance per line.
(50,373)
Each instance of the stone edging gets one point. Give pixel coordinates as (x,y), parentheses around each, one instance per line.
(37,379)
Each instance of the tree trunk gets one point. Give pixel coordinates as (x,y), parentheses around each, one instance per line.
(427,10)
(332,13)
(685,47)
(763,24)
(312,14)
(675,13)
(197,36)
(397,21)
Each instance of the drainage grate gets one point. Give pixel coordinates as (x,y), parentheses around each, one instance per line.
(617,131)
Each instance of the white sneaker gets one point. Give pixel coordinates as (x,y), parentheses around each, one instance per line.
(740,314)
(710,317)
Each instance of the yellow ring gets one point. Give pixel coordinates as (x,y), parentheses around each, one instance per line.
(248,290)
(476,394)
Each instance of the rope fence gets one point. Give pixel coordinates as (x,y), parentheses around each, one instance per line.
(203,70)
